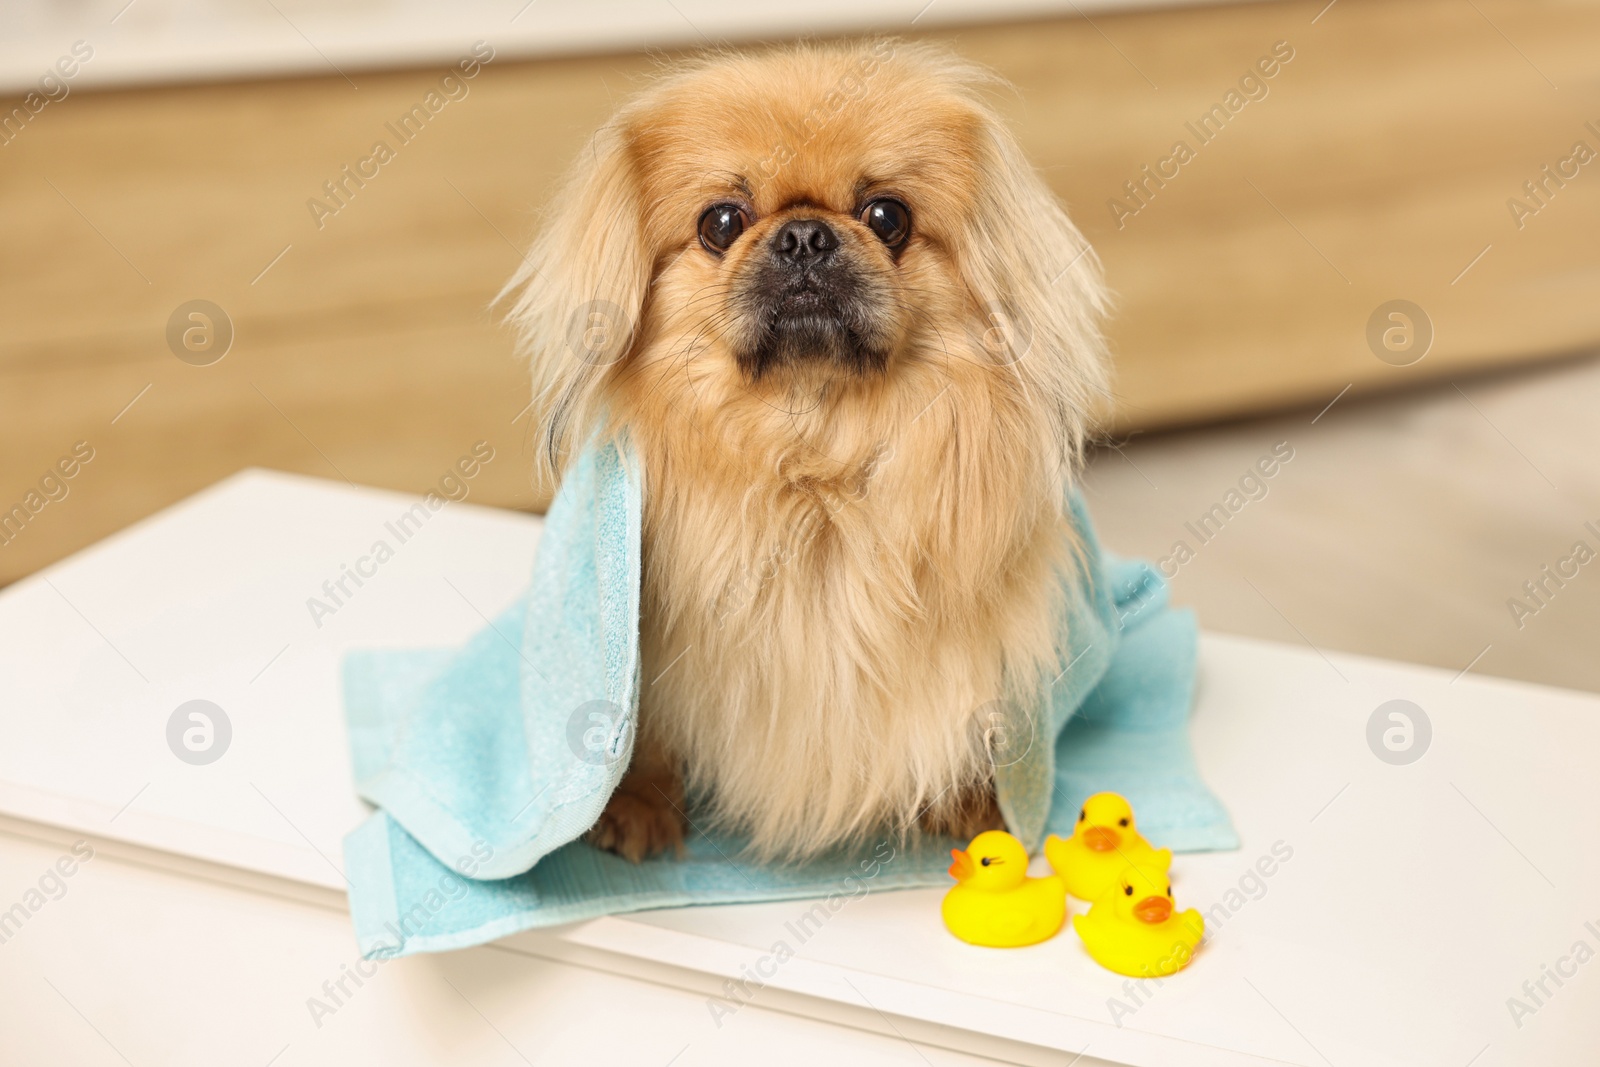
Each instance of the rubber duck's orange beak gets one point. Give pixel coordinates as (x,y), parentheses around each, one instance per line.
(1102,839)
(960,865)
(1153,910)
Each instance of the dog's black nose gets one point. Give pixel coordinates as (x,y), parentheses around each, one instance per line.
(803,242)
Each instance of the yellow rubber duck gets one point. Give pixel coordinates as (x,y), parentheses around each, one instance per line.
(1134,928)
(1102,844)
(994,902)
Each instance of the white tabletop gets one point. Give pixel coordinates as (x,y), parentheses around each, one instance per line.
(1378,912)
(134,965)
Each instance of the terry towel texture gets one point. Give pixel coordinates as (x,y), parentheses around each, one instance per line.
(489,762)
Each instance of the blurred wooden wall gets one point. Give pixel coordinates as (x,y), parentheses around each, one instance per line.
(1378,165)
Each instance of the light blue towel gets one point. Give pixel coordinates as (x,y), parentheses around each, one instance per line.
(489,762)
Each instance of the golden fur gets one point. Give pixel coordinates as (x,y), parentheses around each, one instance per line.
(843,569)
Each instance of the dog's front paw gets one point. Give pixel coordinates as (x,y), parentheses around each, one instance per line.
(966,815)
(642,818)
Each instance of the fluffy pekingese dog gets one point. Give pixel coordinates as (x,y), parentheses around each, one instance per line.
(855,343)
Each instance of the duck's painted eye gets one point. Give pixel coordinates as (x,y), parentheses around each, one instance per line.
(986,860)
(1122,822)
(1083,814)
(1169,892)
(1128,890)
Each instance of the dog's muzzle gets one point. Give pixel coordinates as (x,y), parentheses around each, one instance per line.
(808,301)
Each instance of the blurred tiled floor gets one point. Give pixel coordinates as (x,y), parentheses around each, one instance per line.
(1401,528)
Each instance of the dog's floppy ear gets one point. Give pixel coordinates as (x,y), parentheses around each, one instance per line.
(1037,285)
(580,293)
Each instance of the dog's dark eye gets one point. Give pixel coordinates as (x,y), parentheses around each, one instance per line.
(889,219)
(721,225)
